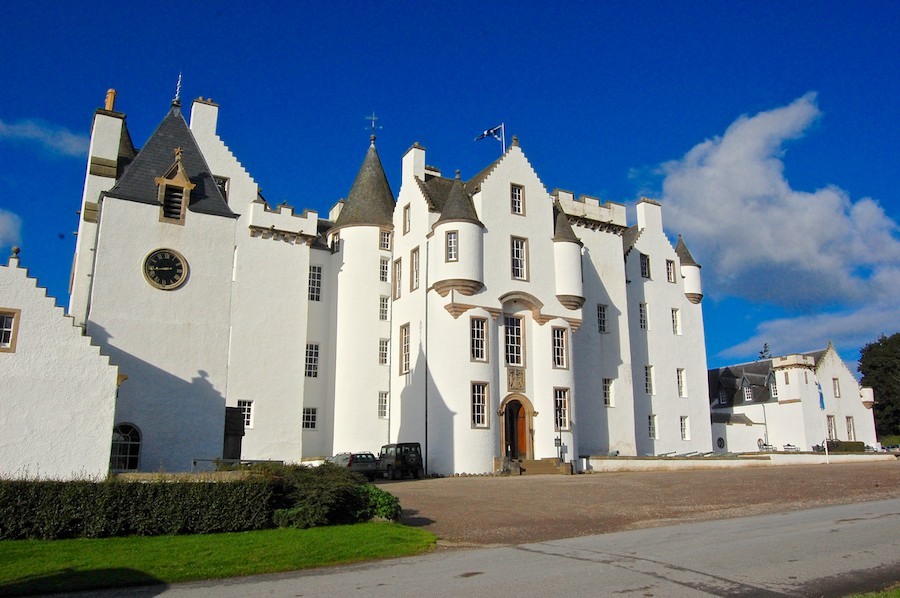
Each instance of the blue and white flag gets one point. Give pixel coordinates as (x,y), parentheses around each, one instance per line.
(495,133)
(821,398)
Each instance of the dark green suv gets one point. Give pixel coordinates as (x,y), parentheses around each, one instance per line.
(397,460)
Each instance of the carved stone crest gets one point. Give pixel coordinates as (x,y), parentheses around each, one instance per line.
(515,379)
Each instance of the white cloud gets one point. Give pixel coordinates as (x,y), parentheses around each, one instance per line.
(10,225)
(833,261)
(58,140)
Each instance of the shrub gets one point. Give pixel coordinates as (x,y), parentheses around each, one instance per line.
(383,504)
(846,446)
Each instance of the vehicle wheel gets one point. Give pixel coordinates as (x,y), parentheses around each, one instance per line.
(420,473)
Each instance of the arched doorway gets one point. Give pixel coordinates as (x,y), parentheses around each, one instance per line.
(516,439)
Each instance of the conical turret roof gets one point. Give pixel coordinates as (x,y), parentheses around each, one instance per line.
(563,230)
(370,201)
(684,255)
(459,205)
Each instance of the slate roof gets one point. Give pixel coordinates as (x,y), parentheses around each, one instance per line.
(630,237)
(730,418)
(370,201)
(563,229)
(474,184)
(732,378)
(684,255)
(138,181)
(459,206)
(436,189)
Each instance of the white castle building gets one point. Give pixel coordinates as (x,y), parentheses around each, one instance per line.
(487,319)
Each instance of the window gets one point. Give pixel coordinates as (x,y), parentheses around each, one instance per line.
(676,321)
(670,270)
(832,432)
(398,275)
(478,342)
(723,397)
(479,405)
(513,329)
(309,418)
(642,316)
(246,408)
(607,392)
(517,199)
(173,202)
(685,428)
(312,360)
(126,448)
(451,246)
(560,348)
(383,353)
(836,387)
(384,240)
(404,349)
(773,388)
(382,404)
(561,407)
(384,269)
(645,266)
(405,219)
(222,184)
(315,283)
(174,191)
(851,430)
(519,253)
(9,329)
(602,327)
(383,307)
(748,393)
(414,269)
(336,241)
(787,378)
(651,426)
(682,385)
(648,379)
(805,377)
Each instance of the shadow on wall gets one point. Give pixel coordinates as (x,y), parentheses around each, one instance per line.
(179,421)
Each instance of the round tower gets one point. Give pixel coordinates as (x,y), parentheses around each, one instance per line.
(690,272)
(458,263)
(567,262)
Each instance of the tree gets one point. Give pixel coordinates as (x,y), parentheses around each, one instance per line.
(879,363)
(766,353)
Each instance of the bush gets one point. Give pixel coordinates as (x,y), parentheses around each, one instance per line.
(846,446)
(323,495)
(383,504)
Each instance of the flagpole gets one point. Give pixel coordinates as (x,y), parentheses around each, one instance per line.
(503,138)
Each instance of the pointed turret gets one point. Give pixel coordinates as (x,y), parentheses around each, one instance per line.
(567,261)
(458,265)
(690,271)
(370,201)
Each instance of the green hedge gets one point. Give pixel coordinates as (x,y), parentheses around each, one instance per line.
(286,496)
(846,446)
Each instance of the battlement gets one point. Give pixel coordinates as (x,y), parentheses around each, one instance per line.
(590,208)
(283,219)
(795,360)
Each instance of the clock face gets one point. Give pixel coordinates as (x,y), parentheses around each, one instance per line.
(165,269)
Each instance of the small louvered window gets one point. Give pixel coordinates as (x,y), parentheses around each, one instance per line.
(173,202)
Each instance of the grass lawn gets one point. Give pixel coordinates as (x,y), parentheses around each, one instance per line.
(43,566)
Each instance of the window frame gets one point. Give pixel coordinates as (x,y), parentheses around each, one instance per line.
(310,418)
(676,321)
(414,269)
(561,419)
(607,386)
(643,316)
(383,408)
(404,349)
(831,427)
(851,428)
(13,316)
(518,255)
(480,414)
(685,424)
(311,363)
(130,456)
(602,318)
(384,351)
(518,339)
(645,265)
(384,303)
(406,219)
(246,408)
(384,269)
(478,344)
(747,393)
(384,239)
(670,270)
(516,200)
(315,283)
(652,427)
(681,381)
(649,386)
(451,246)
(560,347)
(398,278)
(836,387)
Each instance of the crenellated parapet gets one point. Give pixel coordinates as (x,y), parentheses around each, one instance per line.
(281,224)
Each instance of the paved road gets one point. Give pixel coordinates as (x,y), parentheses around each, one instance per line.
(830,551)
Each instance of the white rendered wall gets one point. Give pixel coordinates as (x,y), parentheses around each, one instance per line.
(173,345)
(567,264)
(661,348)
(849,404)
(469,265)
(358,330)
(58,394)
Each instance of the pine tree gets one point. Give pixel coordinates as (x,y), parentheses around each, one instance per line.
(766,353)
(879,363)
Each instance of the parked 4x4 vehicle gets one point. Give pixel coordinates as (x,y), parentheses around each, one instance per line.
(397,460)
(364,463)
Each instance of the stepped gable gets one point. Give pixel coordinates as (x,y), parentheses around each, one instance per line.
(436,189)
(684,255)
(630,237)
(138,182)
(370,201)
(459,206)
(563,230)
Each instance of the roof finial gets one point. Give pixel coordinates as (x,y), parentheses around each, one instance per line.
(457,174)
(177,100)
(372,118)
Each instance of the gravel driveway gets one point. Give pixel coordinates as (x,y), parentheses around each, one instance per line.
(480,511)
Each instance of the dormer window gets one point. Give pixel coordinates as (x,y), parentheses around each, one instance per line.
(222,184)
(748,393)
(174,191)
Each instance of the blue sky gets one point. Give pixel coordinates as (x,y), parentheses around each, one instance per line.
(768,130)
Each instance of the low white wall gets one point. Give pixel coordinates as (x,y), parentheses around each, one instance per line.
(613,464)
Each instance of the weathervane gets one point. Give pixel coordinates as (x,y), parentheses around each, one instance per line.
(178,89)
(373,118)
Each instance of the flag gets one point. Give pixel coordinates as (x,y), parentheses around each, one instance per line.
(821,398)
(495,133)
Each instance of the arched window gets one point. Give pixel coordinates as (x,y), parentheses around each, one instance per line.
(126,448)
